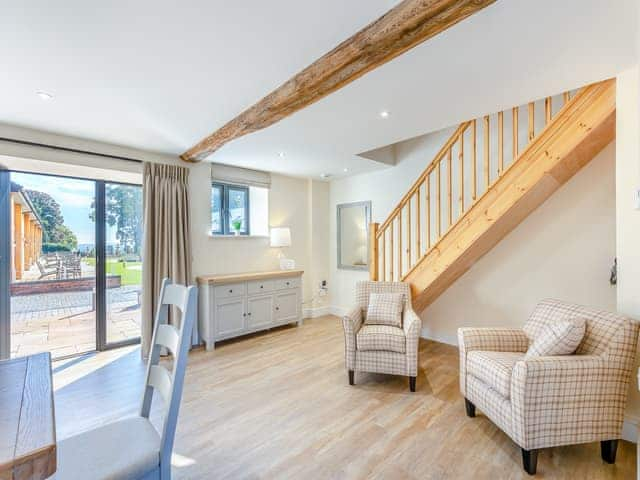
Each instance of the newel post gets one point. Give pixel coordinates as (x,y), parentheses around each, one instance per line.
(373,251)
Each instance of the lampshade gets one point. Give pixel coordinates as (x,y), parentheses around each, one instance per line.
(280,237)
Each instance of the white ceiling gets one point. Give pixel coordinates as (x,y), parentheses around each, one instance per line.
(160,75)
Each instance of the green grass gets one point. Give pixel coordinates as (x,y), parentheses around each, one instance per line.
(128,275)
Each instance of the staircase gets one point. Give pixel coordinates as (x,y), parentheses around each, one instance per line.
(489,175)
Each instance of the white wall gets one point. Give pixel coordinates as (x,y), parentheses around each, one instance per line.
(544,256)
(564,250)
(627,217)
(296,203)
(384,188)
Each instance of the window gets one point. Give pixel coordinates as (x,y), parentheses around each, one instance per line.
(229,209)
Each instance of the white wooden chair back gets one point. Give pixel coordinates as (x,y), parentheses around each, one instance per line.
(168,383)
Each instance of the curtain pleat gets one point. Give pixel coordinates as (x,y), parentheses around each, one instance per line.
(167,238)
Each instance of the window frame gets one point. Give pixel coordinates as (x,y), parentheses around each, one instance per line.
(224,208)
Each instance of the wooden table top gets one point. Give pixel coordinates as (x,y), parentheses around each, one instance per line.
(243,277)
(27,422)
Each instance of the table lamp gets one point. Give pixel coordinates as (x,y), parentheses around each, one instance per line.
(281,237)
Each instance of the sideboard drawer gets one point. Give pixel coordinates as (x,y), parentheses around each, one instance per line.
(259,286)
(231,290)
(285,283)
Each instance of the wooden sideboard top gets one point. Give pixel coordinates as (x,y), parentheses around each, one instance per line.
(243,277)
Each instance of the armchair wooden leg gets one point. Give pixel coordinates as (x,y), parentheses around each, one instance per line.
(351,377)
(608,450)
(530,461)
(412,384)
(470,407)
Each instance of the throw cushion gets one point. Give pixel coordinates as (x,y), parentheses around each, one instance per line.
(560,338)
(385,309)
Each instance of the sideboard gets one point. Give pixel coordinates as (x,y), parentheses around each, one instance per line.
(237,304)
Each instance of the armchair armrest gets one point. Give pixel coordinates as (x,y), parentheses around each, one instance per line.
(412,326)
(488,339)
(584,394)
(351,323)
(492,339)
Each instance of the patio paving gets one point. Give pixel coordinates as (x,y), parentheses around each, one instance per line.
(65,323)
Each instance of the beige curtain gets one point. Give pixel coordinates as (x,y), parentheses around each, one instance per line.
(167,237)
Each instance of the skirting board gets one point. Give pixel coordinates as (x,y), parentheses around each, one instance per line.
(316,312)
(629,427)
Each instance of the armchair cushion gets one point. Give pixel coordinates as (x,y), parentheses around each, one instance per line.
(385,309)
(494,369)
(381,337)
(560,338)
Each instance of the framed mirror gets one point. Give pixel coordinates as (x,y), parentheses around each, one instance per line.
(353,235)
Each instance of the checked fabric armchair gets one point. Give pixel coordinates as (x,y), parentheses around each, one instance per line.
(554,400)
(381,348)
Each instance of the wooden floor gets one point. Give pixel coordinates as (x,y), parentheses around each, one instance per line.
(277,405)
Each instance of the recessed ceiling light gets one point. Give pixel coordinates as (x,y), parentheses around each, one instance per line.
(281,154)
(384,114)
(44,95)
(345,170)
(325,175)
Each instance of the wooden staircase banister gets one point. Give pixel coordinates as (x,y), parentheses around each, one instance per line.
(471,169)
(403,201)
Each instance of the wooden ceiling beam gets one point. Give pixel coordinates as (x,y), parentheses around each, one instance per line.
(408,24)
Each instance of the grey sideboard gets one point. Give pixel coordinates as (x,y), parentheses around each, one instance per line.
(237,304)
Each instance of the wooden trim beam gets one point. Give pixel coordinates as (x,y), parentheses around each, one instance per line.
(408,24)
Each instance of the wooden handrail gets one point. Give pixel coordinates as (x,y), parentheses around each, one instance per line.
(424,223)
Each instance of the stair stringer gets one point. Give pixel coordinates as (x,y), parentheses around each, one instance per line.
(577,134)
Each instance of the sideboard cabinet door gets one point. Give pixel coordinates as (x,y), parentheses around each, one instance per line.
(286,306)
(260,311)
(230,316)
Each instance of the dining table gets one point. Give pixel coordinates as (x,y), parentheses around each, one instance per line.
(27,418)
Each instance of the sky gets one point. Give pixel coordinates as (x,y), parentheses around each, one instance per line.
(74,196)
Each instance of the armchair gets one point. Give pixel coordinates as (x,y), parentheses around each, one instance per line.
(556,400)
(381,348)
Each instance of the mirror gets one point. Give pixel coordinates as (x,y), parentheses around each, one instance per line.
(353,235)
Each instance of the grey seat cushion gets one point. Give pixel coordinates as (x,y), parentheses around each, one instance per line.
(494,369)
(126,449)
(381,337)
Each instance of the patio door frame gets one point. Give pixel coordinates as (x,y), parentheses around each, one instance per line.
(101,270)
(5,264)
(100,248)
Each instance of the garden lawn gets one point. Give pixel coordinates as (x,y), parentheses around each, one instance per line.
(130,272)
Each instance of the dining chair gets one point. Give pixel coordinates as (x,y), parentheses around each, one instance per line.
(132,448)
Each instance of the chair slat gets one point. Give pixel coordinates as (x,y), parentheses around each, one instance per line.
(168,337)
(160,379)
(175,295)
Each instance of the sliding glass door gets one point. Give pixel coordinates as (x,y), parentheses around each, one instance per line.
(74,265)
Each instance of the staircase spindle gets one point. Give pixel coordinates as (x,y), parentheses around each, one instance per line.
(384,255)
(500,143)
(474,166)
(418,229)
(547,110)
(449,206)
(486,151)
(532,127)
(428,208)
(514,114)
(400,244)
(438,202)
(391,249)
(565,97)
(461,175)
(408,242)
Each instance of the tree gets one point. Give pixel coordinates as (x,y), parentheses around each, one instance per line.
(124,211)
(53,228)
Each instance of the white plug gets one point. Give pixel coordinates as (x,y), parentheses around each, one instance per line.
(636,199)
